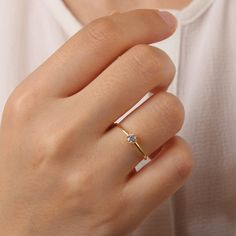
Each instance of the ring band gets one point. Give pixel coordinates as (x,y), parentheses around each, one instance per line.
(132,138)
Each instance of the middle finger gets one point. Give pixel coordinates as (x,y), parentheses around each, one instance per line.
(125,82)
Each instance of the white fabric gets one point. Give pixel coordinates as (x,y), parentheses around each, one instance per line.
(204,51)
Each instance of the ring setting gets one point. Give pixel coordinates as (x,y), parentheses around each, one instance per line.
(132,139)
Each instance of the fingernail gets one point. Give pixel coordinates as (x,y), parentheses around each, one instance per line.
(169,19)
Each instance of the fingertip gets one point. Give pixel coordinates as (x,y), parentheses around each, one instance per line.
(184,160)
(169,19)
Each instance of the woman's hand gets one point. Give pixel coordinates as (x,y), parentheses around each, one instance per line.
(64,170)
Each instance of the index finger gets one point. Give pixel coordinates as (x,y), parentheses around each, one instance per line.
(97,45)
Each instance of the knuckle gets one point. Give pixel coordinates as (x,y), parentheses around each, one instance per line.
(20,104)
(78,189)
(55,145)
(145,59)
(103,29)
(172,109)
(183,160)
(79,184)
(47,149)
(151,60)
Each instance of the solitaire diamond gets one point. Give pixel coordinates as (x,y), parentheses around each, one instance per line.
(132,138)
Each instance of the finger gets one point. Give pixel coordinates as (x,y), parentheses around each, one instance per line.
(124,83)
(99,43)
(160,178)
(154,123)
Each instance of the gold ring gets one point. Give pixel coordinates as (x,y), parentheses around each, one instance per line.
(133,139)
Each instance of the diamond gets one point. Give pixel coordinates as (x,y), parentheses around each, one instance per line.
(132,138)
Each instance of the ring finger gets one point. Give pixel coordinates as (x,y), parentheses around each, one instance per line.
(154,122)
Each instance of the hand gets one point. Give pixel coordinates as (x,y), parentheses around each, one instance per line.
(63,169)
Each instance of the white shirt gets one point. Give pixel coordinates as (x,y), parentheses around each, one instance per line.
(204,51)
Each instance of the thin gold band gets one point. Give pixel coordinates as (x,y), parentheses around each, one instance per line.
(135,142)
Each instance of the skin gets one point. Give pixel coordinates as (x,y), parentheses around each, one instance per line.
(59,173)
